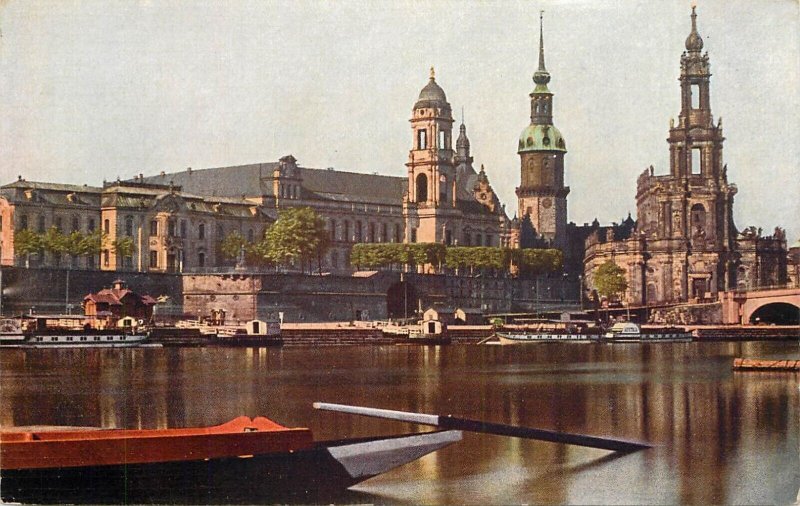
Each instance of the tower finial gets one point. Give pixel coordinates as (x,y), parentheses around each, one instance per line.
(694,42)
(433,73)
(462,114)
(541,77)
(541,42)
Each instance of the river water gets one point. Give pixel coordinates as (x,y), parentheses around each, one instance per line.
(720,436)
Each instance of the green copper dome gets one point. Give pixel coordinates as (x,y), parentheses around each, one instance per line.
(541,138)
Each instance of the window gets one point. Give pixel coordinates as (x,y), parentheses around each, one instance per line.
(448,237)
(443,139)
(106,226)
(443,188)
(153,228)
(695,92)
(183,228)
(201,231)
(90,261)
(154,259)
(23,222)
(413,235)
(334,259)
(422,188)
(467,239)
(347,231)
(357,237)
(76,224)
(332,227)
(40,224)
(106,257)
(372,232)
(129,226)
(220,232)
(90,226)
(397,233)
(696,161)
(171,228)
(250,235)
(384,233)
(59,224)
(201,259)
(422,139)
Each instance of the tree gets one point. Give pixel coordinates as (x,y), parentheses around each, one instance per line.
(231,246)
(123,247)
(27,243)
(298,235)
(609,280)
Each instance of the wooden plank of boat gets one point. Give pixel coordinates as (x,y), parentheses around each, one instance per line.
(451,422)
(242,461)
(765,365)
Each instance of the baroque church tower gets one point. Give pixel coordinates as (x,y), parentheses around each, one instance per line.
(542,196)
(690,211)
(431,197)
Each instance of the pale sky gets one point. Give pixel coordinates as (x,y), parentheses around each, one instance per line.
(100,90)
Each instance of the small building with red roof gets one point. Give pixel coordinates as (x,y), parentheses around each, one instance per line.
(118,302)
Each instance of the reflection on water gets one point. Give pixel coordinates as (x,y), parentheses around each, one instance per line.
(720,436)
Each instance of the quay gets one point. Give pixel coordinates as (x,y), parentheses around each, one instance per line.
(765,365)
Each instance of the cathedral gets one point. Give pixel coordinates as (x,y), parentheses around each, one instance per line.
(684,245)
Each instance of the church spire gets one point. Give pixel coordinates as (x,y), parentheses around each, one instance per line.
(541,77)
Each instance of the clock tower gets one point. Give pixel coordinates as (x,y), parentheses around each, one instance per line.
(541,194)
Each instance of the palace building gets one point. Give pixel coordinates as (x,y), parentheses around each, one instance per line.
(684,245)
(178,220)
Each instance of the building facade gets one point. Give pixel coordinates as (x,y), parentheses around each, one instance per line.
(684,245)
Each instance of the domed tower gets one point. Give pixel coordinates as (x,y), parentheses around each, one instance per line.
(541,193)
(431,192)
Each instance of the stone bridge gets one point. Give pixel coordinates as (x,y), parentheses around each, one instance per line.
(780,306)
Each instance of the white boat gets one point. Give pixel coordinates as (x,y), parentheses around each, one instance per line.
(11,332)
(549,332)
(46,331)
(631,332)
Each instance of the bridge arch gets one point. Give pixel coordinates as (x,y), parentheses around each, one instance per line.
(778,313)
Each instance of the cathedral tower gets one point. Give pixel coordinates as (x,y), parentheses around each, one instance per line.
(541,194)
(431,196)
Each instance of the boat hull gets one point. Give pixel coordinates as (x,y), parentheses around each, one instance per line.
(309,475)
(531,338)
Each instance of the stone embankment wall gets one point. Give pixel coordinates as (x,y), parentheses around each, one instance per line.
(45,289)
(310,298)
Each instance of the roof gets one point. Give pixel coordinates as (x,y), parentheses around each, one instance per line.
(36,185)
(256,180)
(541,138)
(432,95)
(113,297)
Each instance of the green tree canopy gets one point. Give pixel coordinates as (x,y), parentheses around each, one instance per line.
(298,235)
(123,246)
(231,246)
(609,280)
(27,242)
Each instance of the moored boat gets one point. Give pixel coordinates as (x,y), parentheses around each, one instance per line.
(548,332)
(42,331)
(622,332)
(242,461)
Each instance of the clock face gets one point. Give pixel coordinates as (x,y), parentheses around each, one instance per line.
(546,203)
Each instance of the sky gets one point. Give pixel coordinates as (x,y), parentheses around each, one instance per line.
(99,90)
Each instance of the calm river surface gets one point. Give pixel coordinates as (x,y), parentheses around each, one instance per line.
(720,436)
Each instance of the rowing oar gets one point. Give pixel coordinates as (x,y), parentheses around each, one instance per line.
(452,422)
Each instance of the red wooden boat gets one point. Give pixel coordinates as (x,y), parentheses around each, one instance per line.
(242,461)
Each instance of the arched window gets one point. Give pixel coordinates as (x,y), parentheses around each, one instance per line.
(201,231)
(332,229)
(467,239)
(422,139)
(347,237)
(698,220)
(106,226)
(23,222)
(422,188)
(40,224)
(76,224)
(384,233)
(371,232)
(397,233)
(358,231)
(201,259)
